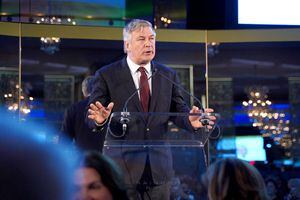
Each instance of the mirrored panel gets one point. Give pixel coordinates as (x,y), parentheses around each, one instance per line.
(10,10)
(52,72)
(254,86)
(9,74)
(163,14)
(188,59)
(170,14)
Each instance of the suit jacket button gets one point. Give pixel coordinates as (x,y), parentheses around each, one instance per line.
(148,129)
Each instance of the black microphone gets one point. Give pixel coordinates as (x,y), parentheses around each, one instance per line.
(204,120)
(124,120)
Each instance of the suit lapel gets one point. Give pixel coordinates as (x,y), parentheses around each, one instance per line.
(130,86)
(156,85)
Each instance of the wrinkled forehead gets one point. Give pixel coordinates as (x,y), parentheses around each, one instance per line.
(143,30)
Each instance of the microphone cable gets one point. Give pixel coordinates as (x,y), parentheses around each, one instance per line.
(183,89)
(124,120)
(204,121)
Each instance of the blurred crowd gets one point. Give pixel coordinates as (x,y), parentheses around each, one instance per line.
(31,168)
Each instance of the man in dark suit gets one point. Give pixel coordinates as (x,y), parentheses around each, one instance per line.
(74,126)
(113,86)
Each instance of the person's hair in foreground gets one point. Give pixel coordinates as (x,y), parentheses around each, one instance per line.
(30,167)
(234,179)
(109,174)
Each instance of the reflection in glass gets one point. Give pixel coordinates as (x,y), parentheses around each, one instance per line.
(270,122)
(170,14)
(84,12)
(9,57)
(58,95)
(264,95)
(50,45)
(11,97)
(10,10)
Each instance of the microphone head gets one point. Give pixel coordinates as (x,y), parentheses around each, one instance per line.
(204,122)
(124,127)
(124,119)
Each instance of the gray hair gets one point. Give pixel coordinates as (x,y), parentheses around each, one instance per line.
(133,25)
(87,86)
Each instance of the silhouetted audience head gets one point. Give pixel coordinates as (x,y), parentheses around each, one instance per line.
(234,179)
(30,167)
(275,187)
(87,86)
(294,187)
(99,178)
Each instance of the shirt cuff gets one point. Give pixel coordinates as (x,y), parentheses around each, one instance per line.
(102,124)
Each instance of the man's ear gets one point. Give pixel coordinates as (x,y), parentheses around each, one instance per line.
(126,46)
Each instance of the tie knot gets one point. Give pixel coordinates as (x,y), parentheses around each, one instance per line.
(142,69)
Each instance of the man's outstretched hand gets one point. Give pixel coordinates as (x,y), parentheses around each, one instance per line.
(196,120)
(99,113)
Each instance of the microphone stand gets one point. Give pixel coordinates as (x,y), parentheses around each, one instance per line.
(125,115)
(205,119)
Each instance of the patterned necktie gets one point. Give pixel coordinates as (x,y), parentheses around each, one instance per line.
(144,89)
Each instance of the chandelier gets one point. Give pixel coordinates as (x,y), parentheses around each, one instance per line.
(165,21)
(50,45)
(12,101)
(270,122)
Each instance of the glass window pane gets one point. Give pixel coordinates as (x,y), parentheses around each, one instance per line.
(9,74)
(255,86)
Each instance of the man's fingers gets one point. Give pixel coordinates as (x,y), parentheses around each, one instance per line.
(106,111)
(212,118)
(92,112)
(99,105)
(209,110)
(194,109)
(91,117)
(110,106)
(93,107)
(98,111)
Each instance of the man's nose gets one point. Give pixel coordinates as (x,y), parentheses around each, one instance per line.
(148,43)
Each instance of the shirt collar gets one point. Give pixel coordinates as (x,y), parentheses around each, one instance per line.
(134,67)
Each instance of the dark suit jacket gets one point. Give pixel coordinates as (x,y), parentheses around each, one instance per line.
(75,128)
(114,83)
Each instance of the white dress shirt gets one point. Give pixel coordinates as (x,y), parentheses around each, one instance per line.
(135,73)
